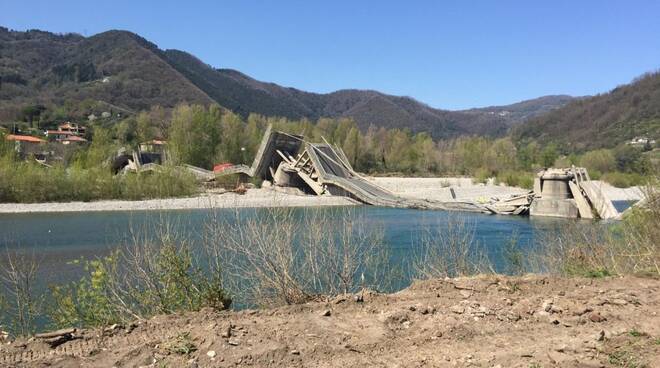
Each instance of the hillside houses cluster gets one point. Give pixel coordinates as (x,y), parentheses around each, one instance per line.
(52,145)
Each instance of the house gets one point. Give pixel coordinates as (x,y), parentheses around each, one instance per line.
(72,128)
(72,139)
(24,138)
(64,137)
(26,145)
(641,141)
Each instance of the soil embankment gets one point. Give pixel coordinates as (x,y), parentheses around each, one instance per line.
(491,321)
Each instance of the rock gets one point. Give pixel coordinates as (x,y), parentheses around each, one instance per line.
(596,317)
(600,336)
(359,298)
(618,302)
(232,342)
(465,293)
(547,305)
(458,309)
(340,299)
(226,333)
(211,354)
(326,313)
(556,309)
(581,311)
(295,352)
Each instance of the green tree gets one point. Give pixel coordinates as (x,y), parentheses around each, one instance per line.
(549,155)
(194,135)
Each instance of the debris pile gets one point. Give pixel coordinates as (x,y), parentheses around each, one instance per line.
(287,160)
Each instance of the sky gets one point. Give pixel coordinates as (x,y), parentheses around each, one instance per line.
(447,54)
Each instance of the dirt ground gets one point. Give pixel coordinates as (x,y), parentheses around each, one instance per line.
(489,321)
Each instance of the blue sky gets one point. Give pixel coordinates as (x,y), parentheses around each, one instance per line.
(448,54)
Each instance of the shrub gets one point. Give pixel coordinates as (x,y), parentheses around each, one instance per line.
(623,180)
(145,278)
(601,160)
(275,257)
(482,175)
(26,182)
(520,179)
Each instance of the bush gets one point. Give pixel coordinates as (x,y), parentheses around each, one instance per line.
(26,182)
(146,278)
(482,175)
(601,160)
(520,179)
(623,180)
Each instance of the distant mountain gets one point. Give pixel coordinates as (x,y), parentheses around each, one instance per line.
(123,69)
(604,120)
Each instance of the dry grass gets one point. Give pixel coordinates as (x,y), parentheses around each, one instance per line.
(449,250)
(629,247)
(283,256)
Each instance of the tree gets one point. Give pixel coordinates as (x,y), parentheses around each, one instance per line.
(351,145)
(548,155)
(194,134)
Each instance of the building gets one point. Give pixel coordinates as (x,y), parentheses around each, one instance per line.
(26,145)
(67,133)
(72,128)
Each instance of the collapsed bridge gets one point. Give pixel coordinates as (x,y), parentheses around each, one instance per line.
(287,160)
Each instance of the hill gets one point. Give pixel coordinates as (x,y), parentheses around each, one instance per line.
(604,120)
(124,69)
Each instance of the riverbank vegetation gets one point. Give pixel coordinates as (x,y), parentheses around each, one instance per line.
(205,136)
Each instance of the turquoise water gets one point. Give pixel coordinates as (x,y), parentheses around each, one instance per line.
(58,239)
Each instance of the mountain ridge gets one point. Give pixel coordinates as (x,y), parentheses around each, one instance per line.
(125,69)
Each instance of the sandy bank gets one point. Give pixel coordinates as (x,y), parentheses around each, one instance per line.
(254,198)
(437,189)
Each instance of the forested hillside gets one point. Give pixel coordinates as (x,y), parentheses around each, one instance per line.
(45,70)
(605,120)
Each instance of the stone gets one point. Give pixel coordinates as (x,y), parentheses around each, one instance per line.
(211,354)
(600,336)
(226,333)
(556,309)
(295,352)
(547,305)
(596,317)
(618,302)
(326,313)
(581,311)
(457,309)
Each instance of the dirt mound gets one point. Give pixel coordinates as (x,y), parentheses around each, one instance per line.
(489,321)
